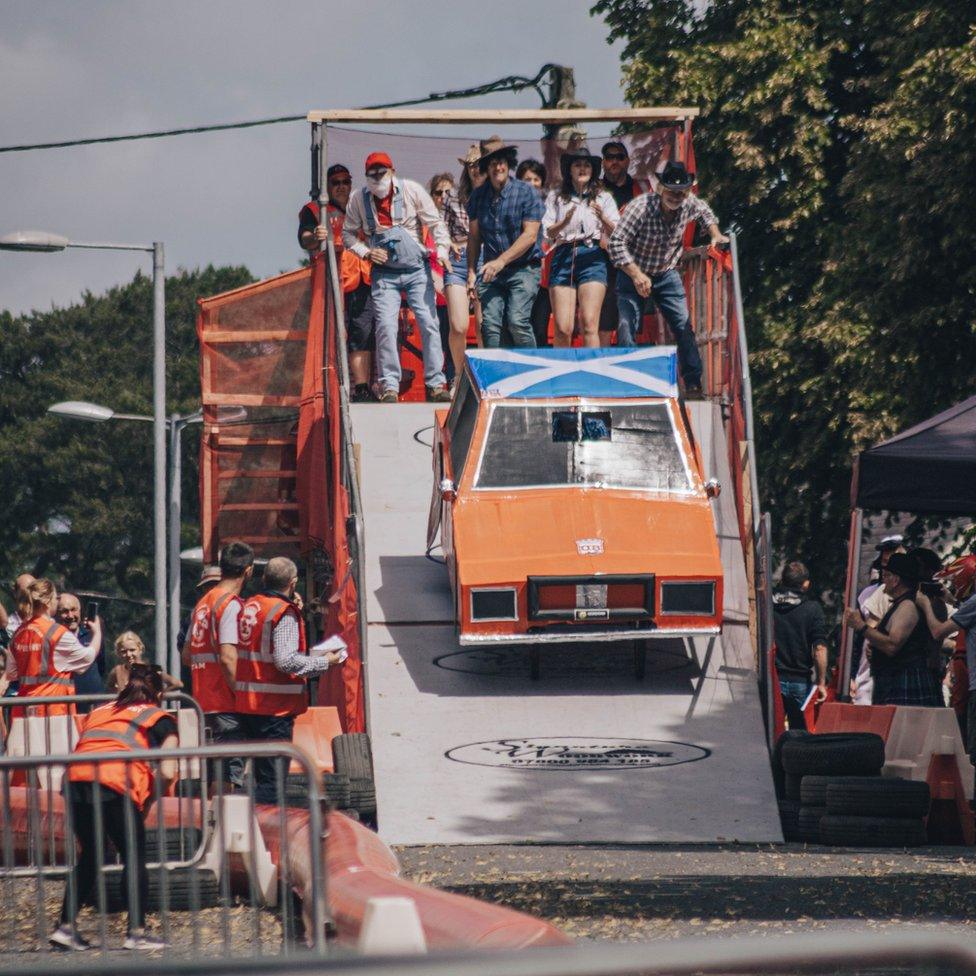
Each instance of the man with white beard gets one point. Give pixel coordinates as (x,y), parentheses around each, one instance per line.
(393,212)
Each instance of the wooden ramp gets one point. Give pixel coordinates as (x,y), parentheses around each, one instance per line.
(469,750)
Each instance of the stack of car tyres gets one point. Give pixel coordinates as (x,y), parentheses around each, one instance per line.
(352,755)
(800,756)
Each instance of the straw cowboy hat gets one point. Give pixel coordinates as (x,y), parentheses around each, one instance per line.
(494,146)
(471,156)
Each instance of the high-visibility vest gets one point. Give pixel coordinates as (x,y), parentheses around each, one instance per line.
(210,687)
(33,650)
(261,688)
(109,728)
(353,270)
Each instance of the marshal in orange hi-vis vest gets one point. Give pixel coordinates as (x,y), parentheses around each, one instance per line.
(109,728)
(210,687)
(33,650)
(261,688)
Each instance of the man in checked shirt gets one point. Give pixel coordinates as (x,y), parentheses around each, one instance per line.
(645,245)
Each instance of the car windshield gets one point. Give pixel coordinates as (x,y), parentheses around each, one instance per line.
(631,445)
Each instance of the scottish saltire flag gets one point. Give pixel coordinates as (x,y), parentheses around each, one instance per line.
(642,371)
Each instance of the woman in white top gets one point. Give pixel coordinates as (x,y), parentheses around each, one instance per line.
(579,216)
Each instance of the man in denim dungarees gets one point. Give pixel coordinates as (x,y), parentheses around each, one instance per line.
(392,212)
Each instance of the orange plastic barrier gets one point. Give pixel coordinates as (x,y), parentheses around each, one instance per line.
(840,717)
(359,866)
(314,731)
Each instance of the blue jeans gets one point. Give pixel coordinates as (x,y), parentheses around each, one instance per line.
(419,288)
(506,302)
(668,292)
(794,692)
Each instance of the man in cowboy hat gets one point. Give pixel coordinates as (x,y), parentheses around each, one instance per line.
(899,643)
(391,213)
(645,246)
(505,216)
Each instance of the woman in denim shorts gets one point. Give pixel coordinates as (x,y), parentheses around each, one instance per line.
(579,216)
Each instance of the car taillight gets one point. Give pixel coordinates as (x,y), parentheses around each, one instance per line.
(688,599)
(494,603)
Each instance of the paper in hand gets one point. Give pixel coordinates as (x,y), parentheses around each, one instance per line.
(327,646)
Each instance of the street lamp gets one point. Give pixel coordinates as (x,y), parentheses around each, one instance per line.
(96,413)
(35,240)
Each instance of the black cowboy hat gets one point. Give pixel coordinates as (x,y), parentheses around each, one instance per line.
(495,146)
(675,176)
(904,567)
(574,155)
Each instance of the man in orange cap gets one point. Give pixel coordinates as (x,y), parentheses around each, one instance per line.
(392,213)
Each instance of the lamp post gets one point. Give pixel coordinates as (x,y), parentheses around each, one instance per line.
(44,241)
(96,413)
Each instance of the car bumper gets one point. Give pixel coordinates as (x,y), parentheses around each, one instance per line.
(544,635)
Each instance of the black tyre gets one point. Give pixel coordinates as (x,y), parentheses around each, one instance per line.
(813,790)
(841,831)
(179,845)
(834,754)
(189,889)
(336,789)
(792,787)
(808,823)
(353,758)
(877,797)
(776,759)
(789,818)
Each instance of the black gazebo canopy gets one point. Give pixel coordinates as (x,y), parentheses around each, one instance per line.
(929,469)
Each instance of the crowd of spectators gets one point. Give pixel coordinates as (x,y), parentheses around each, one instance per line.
(502,247)
(914,636)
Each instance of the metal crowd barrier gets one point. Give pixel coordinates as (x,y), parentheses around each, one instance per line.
(44,735)
(216,903)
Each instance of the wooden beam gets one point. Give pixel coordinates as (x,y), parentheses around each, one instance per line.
(501,117)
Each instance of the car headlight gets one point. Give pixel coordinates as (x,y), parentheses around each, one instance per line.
(494,603)
(688,599)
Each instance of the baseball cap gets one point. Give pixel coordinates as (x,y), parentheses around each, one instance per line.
(890,542)
(210,574)
(336,168)
(378,159)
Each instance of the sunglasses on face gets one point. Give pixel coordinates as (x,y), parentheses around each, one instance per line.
(340,183)
(441,193)
(614,157)
(377,173)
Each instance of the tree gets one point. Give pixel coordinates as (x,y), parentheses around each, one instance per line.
(78,497)
(838,139)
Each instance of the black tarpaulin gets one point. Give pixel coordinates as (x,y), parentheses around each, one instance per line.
(929,469)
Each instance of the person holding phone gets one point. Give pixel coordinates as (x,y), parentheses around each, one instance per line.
(130,650)
(88,631)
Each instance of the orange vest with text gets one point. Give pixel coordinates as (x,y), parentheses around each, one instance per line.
(33,649)
(109,728)
(210,687)
(261,688)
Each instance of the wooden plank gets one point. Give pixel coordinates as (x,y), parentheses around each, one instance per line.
(500,117)
(256,335)
(249,400)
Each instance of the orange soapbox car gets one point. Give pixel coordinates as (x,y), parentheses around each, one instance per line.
(571,502)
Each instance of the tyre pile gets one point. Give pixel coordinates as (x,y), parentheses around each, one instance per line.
(830,791)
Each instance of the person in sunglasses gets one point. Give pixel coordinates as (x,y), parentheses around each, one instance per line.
(354,272)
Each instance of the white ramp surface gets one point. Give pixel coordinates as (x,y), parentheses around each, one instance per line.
(469,750)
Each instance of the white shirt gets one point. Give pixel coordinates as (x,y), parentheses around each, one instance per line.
(584,225)
(228,633)
(878,603)
(69,655)
(13,622)
(287,657)
(419,211)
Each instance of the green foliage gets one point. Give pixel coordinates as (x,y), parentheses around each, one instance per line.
(78,496)
(838,138)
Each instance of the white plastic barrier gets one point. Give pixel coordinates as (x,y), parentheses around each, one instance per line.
(919,734)
(237,832)
(38,735)
(191,735)
(391,926)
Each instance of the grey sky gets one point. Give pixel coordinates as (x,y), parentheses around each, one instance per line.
(80,68)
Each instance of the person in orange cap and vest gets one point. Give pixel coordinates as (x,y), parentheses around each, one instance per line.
(273,667)
(211,651)
(44,656)
(124,792)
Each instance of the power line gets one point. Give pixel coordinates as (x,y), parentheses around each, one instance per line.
(514,83)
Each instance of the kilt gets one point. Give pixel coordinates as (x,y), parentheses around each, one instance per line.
(911,686)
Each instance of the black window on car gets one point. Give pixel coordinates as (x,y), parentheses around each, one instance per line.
(460,424)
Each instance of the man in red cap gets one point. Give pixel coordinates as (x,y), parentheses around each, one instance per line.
(392,213)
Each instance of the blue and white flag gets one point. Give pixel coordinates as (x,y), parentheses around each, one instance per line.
(532,374)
